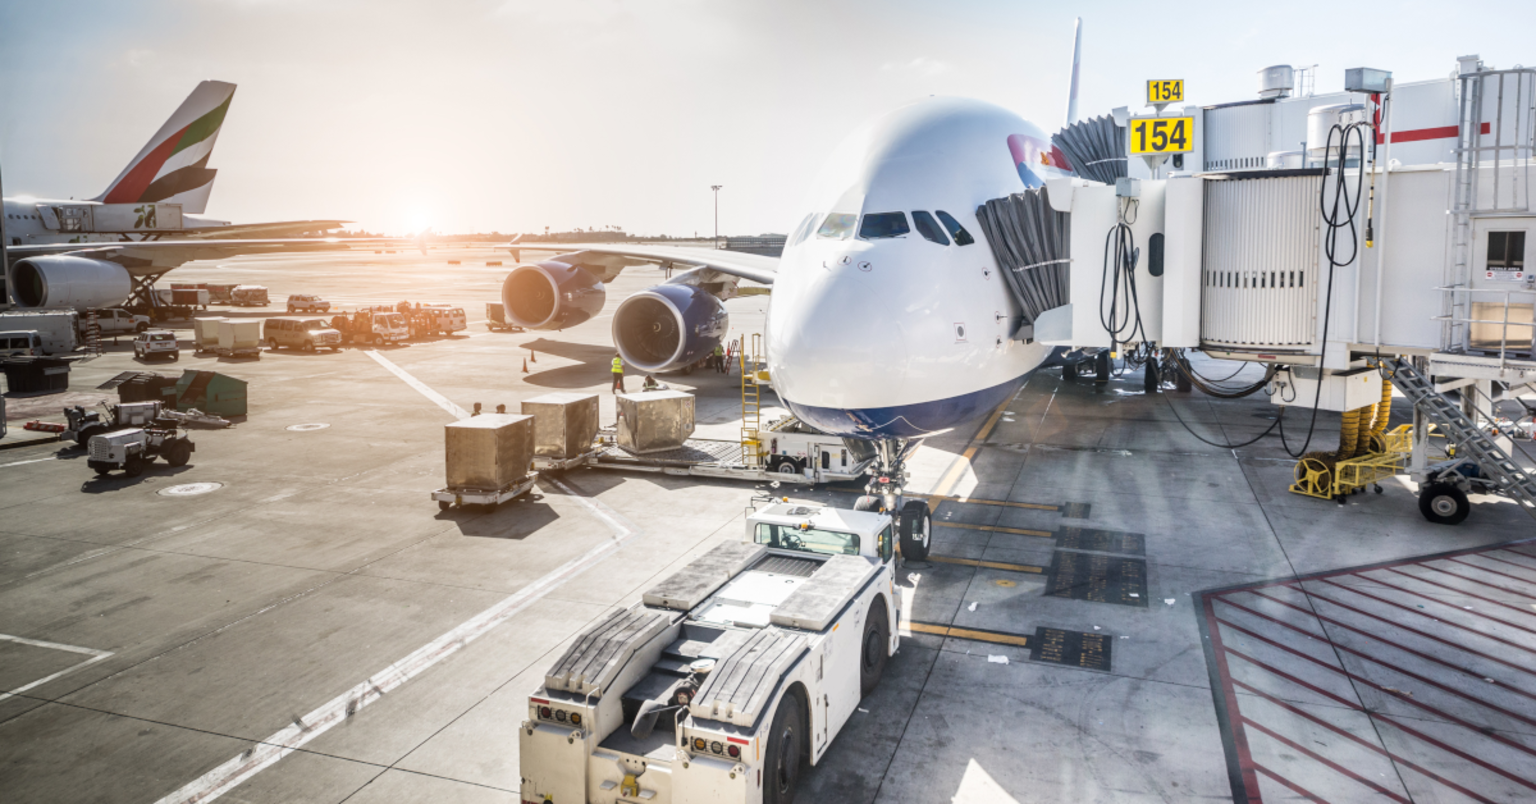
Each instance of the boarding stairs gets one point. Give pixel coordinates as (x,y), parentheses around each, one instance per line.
(92,345)
(1496,465)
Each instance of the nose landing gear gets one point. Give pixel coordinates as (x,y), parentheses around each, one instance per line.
(884,492)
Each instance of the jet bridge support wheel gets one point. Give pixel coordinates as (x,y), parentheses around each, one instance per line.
(786,752)
(1444,504)
(916,528)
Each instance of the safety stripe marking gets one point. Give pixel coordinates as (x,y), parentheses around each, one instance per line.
(971,501)
(421,387)
(96,656)
(997,529)
(24,463)
(971,562)
(977,634)
(956,469)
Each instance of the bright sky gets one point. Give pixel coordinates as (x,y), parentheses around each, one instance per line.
(514,115)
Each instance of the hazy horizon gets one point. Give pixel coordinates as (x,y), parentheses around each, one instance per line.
(512,116)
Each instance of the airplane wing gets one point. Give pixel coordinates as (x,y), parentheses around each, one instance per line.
(615,256)
(154,257)
(274,229)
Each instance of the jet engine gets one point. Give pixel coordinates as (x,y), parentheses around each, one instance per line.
(668,326)
(65,281)
(550,295)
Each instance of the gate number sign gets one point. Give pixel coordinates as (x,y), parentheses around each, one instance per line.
(1168,91)
(1162,135)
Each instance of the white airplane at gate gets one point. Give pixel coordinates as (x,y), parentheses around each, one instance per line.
(889,320)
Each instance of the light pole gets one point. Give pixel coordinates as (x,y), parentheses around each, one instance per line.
(716,188)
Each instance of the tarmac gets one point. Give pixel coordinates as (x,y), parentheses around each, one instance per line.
(1114,610)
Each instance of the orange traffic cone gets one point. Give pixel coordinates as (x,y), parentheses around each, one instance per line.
(533,357)
(525,365)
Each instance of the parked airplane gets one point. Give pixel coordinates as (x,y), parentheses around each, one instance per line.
(162,192)
(99,252)
(889,319)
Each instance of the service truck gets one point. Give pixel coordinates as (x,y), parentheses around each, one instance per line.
(58,330)
(731,675)
(367,326)
(115,321)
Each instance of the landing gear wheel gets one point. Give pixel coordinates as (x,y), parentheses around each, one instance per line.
(1444,504)
(786,752)
(1101,366)
(178,453)
(134,466)
(868,503)
(876,647)
(916,525)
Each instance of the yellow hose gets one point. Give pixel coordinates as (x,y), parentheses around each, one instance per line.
(1383,409)
(1349,433)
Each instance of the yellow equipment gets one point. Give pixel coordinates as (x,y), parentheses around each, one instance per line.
(1367,453)
(751,354)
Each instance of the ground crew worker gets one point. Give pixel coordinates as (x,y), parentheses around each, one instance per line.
(618,374)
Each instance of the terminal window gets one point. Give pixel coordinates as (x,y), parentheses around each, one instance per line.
(1506,251)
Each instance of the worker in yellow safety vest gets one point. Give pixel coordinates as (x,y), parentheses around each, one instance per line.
(718,359)
(618,374)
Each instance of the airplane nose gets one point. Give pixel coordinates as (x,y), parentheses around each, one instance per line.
(833,341)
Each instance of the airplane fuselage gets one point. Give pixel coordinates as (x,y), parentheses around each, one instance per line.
(40,221)
(872,334)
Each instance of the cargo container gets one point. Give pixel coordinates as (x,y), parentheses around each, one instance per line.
(654,421)
(205,334)
(249,296)
(239,337)
(564,424)
(489,460)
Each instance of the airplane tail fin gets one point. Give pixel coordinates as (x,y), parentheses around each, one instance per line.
(173,166)
(1077,55)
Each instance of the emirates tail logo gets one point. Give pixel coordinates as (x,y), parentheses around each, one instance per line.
(146,219)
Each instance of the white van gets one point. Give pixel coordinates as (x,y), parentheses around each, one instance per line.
(20,342)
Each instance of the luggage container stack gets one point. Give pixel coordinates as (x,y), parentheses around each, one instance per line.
(489,460)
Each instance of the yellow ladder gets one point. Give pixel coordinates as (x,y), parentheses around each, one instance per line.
(751,401)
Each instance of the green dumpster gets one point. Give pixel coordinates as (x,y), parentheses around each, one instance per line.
(210,392)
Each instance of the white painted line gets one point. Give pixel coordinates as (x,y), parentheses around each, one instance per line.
(442,401)
(24,463)
(96,656)
(264,754)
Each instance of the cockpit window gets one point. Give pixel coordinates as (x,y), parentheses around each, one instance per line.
(803,230)
(958,232)
(929,228)
(884,224)
(838,226)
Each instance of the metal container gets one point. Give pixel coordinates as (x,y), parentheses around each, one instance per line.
(206,333)
(489,451)
(1276,81)
(239,333)
(654,421)
(564,424)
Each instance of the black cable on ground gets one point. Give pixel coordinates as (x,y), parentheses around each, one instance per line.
(1348,205)
(1266,432)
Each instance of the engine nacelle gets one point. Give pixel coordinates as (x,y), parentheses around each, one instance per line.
(668,326)
(66,281)
(550,295)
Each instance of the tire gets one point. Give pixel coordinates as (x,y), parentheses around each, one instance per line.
(99,468)
(688,369)
(785,756)
(869,503)
(179,453)
(290,308)
(309,346)
(916,526)
(134,466)
(141,328)
(786,466)
(83,439)
(875,649)
(378,340)
(272,344)
(443,505)
(1444,504)
(175,356)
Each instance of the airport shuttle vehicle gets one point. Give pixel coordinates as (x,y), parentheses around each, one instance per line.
(729,677)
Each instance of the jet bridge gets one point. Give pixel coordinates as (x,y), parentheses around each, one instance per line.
(1324,236)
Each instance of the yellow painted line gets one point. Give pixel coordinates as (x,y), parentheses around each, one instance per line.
(971,562)
(1035,506)
(951,477)
(969,633)
(996,529)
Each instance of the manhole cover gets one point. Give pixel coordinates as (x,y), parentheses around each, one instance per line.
(301,428)
(190,489)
